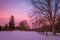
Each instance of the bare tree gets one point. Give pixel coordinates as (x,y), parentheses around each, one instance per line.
(39,20)
(48,9)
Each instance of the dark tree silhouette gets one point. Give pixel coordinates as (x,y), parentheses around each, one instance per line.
(6,27)
(0,28)
(11,23)
(47,8)
(58,23)
(26,24)
(23,25)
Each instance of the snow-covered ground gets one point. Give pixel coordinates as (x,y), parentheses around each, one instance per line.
(26,35)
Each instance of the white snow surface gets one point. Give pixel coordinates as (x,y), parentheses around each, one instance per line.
(26,35)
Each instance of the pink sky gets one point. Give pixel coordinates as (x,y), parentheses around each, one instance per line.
(18,8)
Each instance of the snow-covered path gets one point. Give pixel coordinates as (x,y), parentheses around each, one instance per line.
(22,35)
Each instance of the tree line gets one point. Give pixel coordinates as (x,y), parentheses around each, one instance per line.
(23,25)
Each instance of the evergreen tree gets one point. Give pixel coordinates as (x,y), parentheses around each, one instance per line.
(11,23)
(6,27)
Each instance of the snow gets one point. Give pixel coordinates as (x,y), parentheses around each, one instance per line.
(26,35)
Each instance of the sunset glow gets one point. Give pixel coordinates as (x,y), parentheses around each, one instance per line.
(18,8)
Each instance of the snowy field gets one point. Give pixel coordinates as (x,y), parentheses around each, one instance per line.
(28,35)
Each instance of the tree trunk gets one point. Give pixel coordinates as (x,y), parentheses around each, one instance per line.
(43,32)
(53,29)
(46,32)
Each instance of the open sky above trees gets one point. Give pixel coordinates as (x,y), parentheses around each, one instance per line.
(18,8)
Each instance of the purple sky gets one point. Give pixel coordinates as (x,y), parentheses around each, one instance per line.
(18,8)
